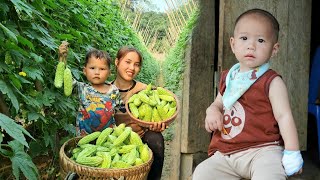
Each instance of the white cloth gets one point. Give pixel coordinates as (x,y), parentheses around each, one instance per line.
(237,83)
(292,161)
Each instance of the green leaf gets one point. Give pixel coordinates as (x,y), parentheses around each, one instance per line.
(69,128)
(9,33)
(4,67)
(37,58)
(25,42)
(6,153)
(4,7)
(32,102)
(13,129)
(33,116)
(21,6)
(36,148)
(7,90)
(15,81)
(48,139)
(49,42)
(47,99)
(34,73)
(65,36)
(11,45)
(21,161)
(1,138)
(43,30)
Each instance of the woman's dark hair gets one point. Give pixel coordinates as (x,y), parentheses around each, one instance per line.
(266,14)
(123,51)
(99,54)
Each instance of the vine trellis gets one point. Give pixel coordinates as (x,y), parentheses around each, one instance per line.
(177,13)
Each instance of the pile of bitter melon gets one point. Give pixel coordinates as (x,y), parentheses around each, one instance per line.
(152,105)
(117,147)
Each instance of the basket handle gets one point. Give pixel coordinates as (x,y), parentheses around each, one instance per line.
(72,176)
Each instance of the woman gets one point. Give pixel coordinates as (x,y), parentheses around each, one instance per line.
(128,64)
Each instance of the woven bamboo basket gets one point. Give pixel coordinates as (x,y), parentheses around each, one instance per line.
(146,123)
(86,172)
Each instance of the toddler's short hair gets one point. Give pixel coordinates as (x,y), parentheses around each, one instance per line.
(263,13)
(99,54)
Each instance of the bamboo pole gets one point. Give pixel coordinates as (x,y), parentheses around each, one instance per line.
(186,9)
(153,41)
(155,37)
(141,31)
(174,36)
(188,6)
(194,5)
(146,34)
(167,43)
(171,22)
(174,17)
(179,10)
(123,7)
(152,32)
(135,20)
(139,22)
(167,40)
(145,30)
(174,22)
(176,11)
(169,37)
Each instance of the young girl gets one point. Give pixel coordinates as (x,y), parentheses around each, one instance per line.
(97,99)
(128,64)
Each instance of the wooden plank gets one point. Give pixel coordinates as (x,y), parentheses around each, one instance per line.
(198,82)
(298,63)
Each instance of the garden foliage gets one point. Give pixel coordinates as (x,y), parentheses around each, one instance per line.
(30,33)
(174,65)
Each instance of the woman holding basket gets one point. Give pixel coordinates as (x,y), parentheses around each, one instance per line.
(128,64)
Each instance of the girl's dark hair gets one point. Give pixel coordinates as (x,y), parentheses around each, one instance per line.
(99,54)
(266,14)
(123,51)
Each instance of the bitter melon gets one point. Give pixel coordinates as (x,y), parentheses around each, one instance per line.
(67,81)
(88,138)
(58,79)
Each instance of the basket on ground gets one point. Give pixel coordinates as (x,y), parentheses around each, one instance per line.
(67,165)
(147,123)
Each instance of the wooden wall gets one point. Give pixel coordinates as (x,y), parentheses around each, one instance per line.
(198,92)
(198,82)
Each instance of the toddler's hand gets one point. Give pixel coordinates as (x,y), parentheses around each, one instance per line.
(213,120)
(292,162)
(63,49)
